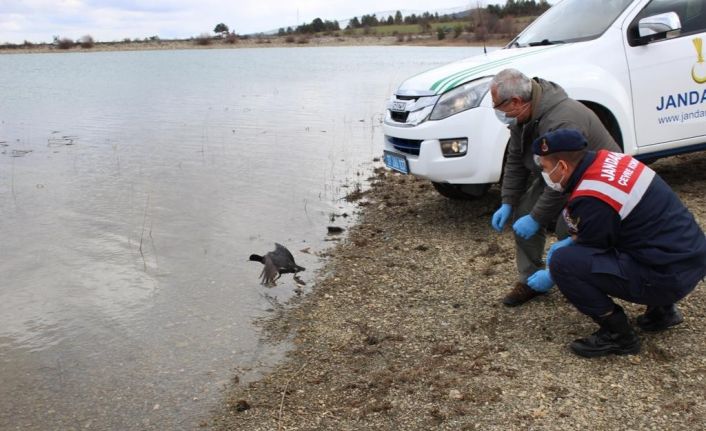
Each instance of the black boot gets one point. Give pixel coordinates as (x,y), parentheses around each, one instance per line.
(615,337)
(659,318)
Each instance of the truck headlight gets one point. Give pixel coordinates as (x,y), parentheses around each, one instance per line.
(460,99)
(454,147)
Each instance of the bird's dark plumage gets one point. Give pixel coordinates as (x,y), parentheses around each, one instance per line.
(277,262)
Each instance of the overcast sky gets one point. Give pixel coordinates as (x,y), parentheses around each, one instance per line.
(109,20)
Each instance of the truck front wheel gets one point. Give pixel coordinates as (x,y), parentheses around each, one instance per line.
(461,191)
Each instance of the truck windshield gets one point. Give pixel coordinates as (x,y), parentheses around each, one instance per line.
(571,21)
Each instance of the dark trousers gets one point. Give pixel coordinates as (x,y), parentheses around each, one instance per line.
(529,252)
(589,277)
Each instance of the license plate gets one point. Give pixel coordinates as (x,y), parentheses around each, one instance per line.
(396,162)
(399,106)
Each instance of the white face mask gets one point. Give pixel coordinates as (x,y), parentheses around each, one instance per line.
(510,121)
(551,184)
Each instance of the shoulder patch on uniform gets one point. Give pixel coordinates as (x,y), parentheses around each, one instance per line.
(572,223)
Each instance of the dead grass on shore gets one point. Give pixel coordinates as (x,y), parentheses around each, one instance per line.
(253,42)
(405,331)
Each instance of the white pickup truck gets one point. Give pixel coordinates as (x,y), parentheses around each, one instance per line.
(639,64)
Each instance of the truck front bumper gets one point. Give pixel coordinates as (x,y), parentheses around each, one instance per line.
(482,163)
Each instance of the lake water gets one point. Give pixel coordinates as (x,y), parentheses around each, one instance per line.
(133,187)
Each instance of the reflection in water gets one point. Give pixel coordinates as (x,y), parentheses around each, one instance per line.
(133,187)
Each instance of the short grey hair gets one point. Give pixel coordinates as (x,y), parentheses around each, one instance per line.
(512,83)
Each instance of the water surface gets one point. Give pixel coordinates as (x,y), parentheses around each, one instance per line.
(133,186)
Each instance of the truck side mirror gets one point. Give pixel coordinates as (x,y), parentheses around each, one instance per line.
(655,27)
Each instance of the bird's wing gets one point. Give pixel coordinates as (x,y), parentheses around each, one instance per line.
(282,257)
(269,272)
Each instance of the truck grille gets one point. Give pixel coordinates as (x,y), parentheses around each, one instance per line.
(399,116)
(409,146)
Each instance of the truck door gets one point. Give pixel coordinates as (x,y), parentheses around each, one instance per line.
(668,72)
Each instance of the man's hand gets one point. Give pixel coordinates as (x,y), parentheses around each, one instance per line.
(540,281)
(500,217)
(525,227)
(556,246)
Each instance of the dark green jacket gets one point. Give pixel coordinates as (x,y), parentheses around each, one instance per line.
(551,109)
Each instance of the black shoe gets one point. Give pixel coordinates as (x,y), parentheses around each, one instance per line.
(615,337)
(602,343)
(520,294)
(659,318)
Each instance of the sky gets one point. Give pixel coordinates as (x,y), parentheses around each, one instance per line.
(114,20)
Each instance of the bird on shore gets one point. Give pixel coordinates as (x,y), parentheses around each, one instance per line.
(277,262)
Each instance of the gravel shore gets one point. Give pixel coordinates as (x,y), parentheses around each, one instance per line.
(405,331)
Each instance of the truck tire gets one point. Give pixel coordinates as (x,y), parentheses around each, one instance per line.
(461,191)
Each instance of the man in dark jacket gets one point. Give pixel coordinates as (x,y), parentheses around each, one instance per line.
(631,238)
(530,108)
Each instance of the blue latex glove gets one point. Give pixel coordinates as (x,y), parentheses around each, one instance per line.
(540,281)
(556,246)
(525,227)
(501,216)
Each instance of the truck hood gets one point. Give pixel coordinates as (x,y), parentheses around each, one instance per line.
(445,78)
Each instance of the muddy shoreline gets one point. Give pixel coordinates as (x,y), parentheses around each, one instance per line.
(405,331)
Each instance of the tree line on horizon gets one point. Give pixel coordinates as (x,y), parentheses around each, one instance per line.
(491,19)
(492,12)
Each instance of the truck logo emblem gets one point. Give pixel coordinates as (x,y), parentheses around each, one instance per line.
(700,64)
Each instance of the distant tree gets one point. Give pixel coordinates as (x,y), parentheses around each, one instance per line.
(221,29)
(354,23)
(494,9)
(424,25)
(519,8)
(440,33)
(332,25)
(86,41)
(398,17)
(231,38)
(369,20)
(481,33)
(281,31)
(203,39)
(507,27)
(317,25)
(390,20)
(480,19)
(64,42)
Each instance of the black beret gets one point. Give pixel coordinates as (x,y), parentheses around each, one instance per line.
(559,140)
